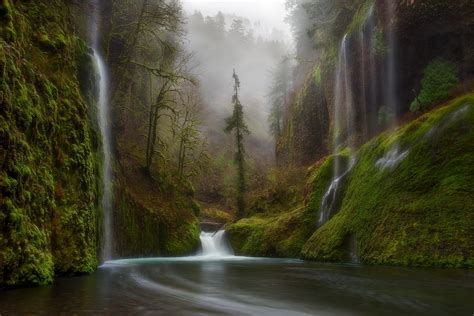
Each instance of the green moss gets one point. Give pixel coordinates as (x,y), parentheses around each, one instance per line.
(381,47)
(281,235)
(49,181)
(417,213)
(145,228)
(360,17)
(317,74)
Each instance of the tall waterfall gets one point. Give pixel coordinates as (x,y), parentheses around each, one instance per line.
(360,102)
(343,128)
(103,119)
(391,80)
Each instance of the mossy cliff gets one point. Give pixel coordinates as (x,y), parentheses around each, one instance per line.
(416,210)
(413,33)
(48,148)
(153,219)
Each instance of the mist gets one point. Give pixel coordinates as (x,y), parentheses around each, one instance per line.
(253,49)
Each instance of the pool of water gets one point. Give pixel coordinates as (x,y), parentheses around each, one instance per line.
(227,285)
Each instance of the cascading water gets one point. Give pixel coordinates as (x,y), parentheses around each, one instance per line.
(391,80)
(329,201)
(344,127)
(106,167)
(103,118)
(215,245)
(359,104)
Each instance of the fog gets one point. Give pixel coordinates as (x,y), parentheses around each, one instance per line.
(252,50)
(269,14)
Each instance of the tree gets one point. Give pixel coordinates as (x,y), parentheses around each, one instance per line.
(236,124)
(440,77)
(278,95)
(237,30)
(170,74)
(191,145)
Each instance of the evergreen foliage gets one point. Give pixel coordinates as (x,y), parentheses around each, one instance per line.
(440,78)
(236,124)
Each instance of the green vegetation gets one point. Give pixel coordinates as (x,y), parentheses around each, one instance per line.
(282,235)
(49,148)
(440,77)
(417,213)
(317,74)
(237,124)
(277,224)
(278,95)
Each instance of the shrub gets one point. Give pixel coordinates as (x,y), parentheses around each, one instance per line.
(440,77)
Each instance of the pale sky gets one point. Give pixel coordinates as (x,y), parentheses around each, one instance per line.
(271,13)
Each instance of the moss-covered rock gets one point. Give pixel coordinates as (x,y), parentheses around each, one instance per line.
(279,223)
(153,216)
(282,235)
(48,150)
(409,199)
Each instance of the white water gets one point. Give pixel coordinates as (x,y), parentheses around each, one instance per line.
(329,200)
(392,158)
(103,119)
(106,148)
(344,127)
(215,245)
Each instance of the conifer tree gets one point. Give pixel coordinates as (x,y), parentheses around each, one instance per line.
(236,124)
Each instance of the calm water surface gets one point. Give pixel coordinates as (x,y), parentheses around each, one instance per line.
(244,286)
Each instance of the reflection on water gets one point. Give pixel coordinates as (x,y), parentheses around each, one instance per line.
(248,286)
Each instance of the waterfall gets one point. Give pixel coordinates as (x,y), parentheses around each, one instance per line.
(103,119)
(215,245)
(343,128)
(391,80)
(329,201)
(106,164)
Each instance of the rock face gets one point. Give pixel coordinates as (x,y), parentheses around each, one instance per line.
(407,201)
(407,198)
(389,44)
(50,156)
(150,223)
(49,147)
(305,134)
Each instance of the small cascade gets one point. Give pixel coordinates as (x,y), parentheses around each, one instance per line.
(329,201)
(215,245)
(392,158)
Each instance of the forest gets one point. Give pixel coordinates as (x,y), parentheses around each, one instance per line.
(203,157)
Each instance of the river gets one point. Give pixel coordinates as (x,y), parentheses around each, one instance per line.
(218,283)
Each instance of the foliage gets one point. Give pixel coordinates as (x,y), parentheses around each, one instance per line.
(278,96)
(236,124)
(440,77)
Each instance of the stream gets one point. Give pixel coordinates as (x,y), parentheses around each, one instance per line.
(216,282)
